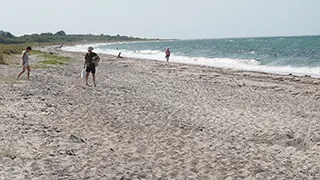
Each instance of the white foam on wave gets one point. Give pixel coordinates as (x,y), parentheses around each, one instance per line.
(237,64)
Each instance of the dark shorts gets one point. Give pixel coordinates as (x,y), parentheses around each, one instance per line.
(91,69)
(167,56)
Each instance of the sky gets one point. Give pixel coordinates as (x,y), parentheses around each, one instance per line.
(178,19)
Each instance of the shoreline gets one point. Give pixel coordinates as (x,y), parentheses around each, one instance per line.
(210,62)
(151,120)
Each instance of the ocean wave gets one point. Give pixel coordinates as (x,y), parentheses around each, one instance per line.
(236,64)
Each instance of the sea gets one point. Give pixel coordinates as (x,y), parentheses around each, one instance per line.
(279,55)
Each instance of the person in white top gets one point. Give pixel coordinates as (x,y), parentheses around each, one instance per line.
(25,62)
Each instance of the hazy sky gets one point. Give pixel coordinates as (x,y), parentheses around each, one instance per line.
(184,19)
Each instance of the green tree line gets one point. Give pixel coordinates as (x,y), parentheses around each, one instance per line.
(62,37)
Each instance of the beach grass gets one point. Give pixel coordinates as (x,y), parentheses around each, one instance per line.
(51,59)
(8,152)
(40,66)
(2,61)
(9,49)
(52,62)
(9,52)
(6,50)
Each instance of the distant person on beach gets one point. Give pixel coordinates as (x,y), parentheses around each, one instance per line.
(167,54)
(90,64)
(119,55)
(25,62)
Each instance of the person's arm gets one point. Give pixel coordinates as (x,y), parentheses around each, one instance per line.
(23,58)
(85,62)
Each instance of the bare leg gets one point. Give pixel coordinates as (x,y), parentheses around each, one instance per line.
(28,68)
(94,79)
(21,72)
(87,76)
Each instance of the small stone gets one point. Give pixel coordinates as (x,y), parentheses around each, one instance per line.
(70,152)
(76,139)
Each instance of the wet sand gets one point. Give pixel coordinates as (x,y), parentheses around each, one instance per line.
(157,120)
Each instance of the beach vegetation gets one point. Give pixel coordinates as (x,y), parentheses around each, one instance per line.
(40,66)
(7,152)
(52,59)
(7,50)
(11,45)
(62,37)
(2,61)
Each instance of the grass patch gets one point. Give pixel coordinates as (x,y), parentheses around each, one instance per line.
(2,61)
(40,66)
(9,56)
(8,50)
(7,152)
(52,59)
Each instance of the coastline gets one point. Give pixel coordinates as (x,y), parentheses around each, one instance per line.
(248,64)
(151,120)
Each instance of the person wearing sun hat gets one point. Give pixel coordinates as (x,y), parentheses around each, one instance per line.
(90,64)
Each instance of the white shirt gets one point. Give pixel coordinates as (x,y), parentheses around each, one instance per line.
(25,58)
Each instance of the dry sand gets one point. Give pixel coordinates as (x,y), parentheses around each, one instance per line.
(156,120)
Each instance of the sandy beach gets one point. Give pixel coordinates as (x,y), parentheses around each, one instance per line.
(157,120)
